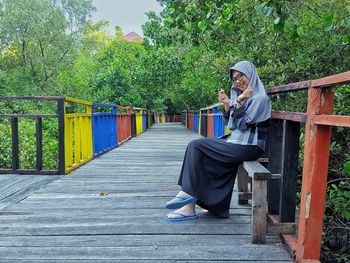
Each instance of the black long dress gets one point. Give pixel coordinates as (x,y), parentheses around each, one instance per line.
(209,171)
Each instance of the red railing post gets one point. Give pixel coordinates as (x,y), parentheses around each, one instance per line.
(315,170)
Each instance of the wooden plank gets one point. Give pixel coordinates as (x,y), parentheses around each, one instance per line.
(124,240)
(13,182)
(332,120)
(167,252)
(14,188)
(6,177)
(256,170)
(159,226)
(14,212)
(143,261)
(20,194)
(38,220)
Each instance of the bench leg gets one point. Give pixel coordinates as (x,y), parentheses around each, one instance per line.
(242,184)
(259,211)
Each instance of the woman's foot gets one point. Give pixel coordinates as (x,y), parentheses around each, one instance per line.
(181,199)
(185,212)
(177,198)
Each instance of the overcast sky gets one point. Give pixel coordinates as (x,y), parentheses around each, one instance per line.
(128,14)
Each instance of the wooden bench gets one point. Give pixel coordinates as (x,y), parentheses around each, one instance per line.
(253,178)
(270,182)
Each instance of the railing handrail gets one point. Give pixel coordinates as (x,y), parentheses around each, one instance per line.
(334,80)
(78,101)
(98,104)
(32,97)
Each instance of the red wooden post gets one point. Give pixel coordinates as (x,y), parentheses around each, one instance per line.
(128,123)
(315,170)
(190,121)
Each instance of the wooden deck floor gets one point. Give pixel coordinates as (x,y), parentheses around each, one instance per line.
(112,210)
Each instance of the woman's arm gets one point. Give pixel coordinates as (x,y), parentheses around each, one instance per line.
(223,98)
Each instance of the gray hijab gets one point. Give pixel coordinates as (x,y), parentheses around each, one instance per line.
(258,107)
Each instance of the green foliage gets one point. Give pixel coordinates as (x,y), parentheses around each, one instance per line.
(38,39)
(339,199)
(347,168)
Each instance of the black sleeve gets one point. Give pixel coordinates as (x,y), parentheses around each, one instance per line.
(226,115)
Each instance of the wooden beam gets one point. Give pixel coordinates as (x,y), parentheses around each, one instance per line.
(290,116)
(29,171)
(281,228)
(28,116)
(338,79)
(303,85)
(315,171)
(332,120)
(31,97)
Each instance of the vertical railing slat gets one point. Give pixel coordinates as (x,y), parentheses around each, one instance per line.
(15,144)
(39,144)
(290,165)
(61,137)
(275,166)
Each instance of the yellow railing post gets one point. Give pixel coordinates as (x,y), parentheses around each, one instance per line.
(79,127)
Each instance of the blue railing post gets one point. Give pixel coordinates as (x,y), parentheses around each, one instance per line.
(104,128)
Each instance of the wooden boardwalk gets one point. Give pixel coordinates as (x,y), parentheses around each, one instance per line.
(112,210)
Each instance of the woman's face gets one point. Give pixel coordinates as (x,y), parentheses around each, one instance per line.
(240,80)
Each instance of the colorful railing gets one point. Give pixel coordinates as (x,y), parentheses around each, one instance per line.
(85,130)
(77,134)
(207,122)
(105,127)
(59,112)
(123,124)
(283,156)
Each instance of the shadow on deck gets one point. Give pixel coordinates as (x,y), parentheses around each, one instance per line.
(112,210)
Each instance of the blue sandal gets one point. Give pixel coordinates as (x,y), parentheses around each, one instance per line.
(178,204)
(181,218)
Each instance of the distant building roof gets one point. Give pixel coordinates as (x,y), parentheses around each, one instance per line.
(133,37)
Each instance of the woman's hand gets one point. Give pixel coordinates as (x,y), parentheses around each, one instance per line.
(246,94)
(224,99)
